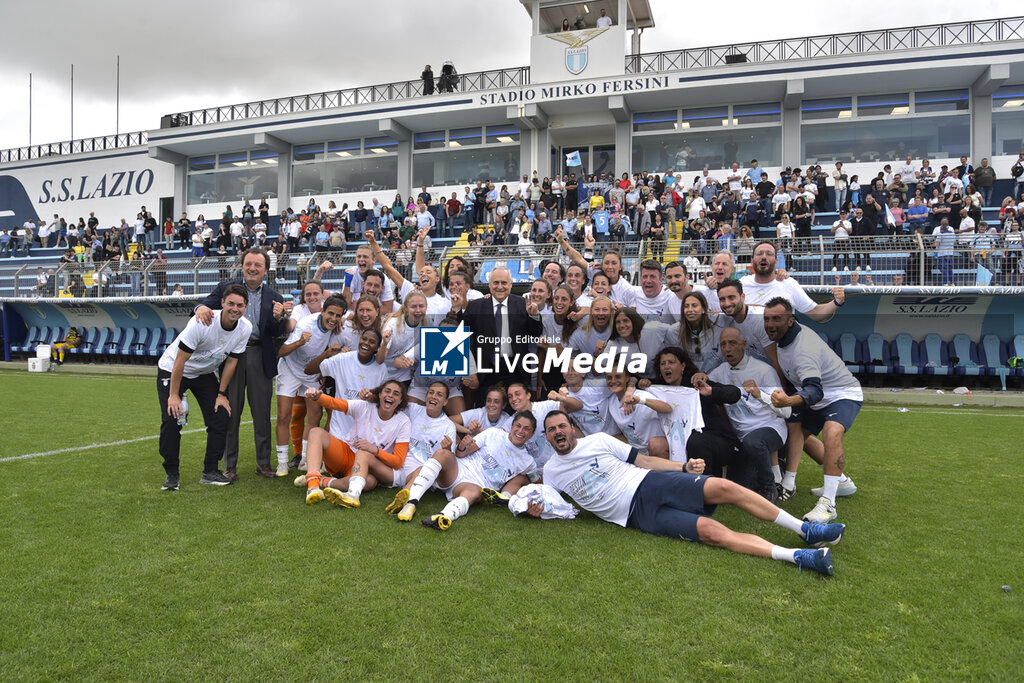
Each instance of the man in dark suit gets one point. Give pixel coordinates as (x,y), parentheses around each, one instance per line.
(269,313)
(500,325)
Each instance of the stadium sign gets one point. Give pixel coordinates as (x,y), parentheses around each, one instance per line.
(445,352)
(561,91)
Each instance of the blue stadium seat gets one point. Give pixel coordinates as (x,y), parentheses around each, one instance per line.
(168,336)
(87,343)
(876,355)
(123,350)
(906,355)
(33,333)
(140,343)
(113,341)
(993,355)
(963,354)
(935,356)
(848,349)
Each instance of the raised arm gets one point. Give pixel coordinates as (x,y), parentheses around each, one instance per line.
(382,258)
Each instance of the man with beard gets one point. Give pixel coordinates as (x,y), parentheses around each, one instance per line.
(667,498)
(829,396)
(763,286)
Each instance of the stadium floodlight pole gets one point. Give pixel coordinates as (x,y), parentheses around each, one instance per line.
(29,108)
(72,102)
(117,100)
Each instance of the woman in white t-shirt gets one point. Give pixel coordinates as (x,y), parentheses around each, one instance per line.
(784,232)
(405,334)
(636,416)
(594,397)
(698,332)
(492,415)
(309,338)
(365,316)
(376,445)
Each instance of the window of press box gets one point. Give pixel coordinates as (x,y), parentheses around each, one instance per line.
(314,152)
(883,105)
(748,114)
(462,137)
(205,163)
(655,120)
(830,108)
(345,148)
(705,117)
(502,134)
(428,140)
(941,100)
(1008,97)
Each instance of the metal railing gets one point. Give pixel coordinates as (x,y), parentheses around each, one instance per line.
(83,146)
(351,97)
(836,45)
(878,260)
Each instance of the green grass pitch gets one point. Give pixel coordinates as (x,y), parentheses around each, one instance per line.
(107,577)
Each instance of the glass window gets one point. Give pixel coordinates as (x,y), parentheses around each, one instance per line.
(1008,130)
(655,120)
(380,145)
(883,105)
(461,137)
(941,100)
(358,174)
(746,114)
(263,158)
(706,117)
(693,150)
(879,139)
(463,167)
(230,186)
(309,152)
(429,140)
(344,148)
(502,134)
(233,159)
(831,108)
(205,163)
(1008,97)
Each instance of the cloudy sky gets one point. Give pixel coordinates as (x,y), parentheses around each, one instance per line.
(190,54)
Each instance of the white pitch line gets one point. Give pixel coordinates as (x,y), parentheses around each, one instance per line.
(924,411)
(28,456)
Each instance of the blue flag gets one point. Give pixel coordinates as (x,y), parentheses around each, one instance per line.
(984,277)
(573,159)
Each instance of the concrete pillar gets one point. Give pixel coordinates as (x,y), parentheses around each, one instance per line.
(396,131)
(623,116)
(534,138)
(990,80)
(284,166)
(180,162)
(791,123)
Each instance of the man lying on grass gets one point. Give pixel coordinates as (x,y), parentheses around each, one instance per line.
(615,482)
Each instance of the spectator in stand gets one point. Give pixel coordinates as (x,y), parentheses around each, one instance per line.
(428,80)
(452,216)
(898,217)
(917,216)
(984,180)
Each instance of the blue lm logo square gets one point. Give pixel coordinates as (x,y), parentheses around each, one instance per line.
(444,351)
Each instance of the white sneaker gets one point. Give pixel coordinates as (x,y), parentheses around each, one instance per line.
(857,269)
(282,468)
(302,462)
(846,269)
(846,488)
(300,481)
(823,512)
(834,269)
(867,268)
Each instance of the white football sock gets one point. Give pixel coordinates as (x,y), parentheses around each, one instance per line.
(305,445)
(355,486)
(777,473)
(789,480)
(427,476)
(788,521)
(282,454)
(831,484)
(456,508)
(783,554)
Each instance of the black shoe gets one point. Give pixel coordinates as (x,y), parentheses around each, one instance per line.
(215,478)
(293,464)
(769,493)
(170,483)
